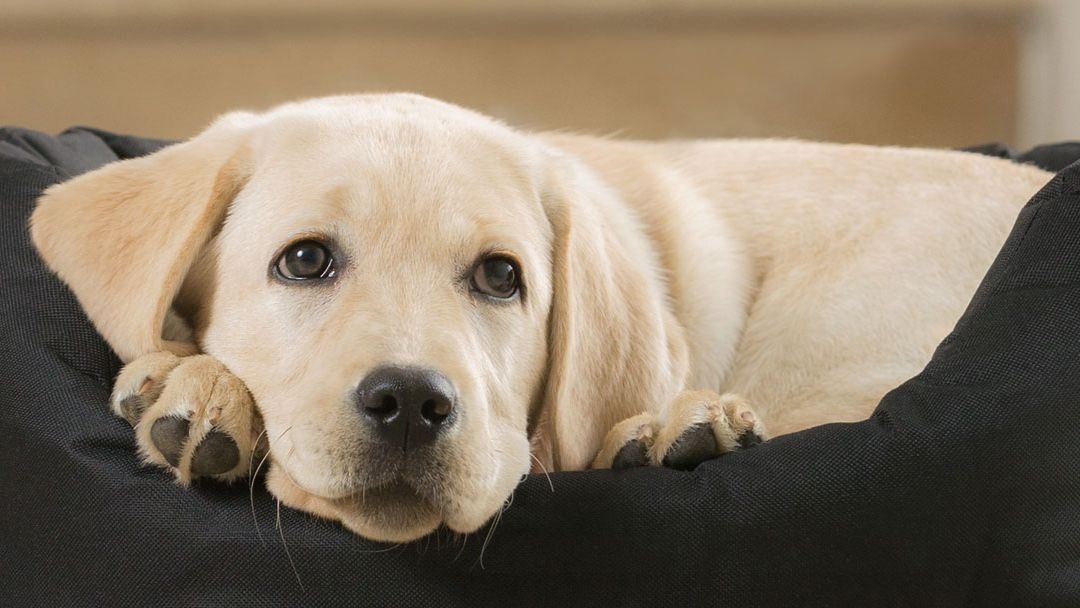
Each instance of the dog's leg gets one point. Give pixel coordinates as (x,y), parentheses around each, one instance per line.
(699,425)
(191,415)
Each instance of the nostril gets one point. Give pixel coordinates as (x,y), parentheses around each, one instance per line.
(383,408)
(388,404)
(436,410)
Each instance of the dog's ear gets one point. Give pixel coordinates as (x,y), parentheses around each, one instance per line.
(614,349)
(124,236)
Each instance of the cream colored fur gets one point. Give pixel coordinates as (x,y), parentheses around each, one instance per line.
(807,278)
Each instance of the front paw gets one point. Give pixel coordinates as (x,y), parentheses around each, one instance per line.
(699,425)
(191,415)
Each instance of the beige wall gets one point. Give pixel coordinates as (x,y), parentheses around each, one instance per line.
(919,73)
(1050,74)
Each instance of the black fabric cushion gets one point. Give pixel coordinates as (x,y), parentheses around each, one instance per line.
(962,489)
(1051,157)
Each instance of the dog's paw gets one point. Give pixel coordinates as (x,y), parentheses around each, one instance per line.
(699,425)
(191,415)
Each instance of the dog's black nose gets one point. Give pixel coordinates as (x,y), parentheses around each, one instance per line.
(406,406)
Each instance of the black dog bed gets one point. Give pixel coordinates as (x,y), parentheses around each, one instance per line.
(962,489)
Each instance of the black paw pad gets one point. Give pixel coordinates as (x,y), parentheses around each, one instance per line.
(694,446)
(633,454)
(749,439)
(132,408)
(168,435)
(215,455)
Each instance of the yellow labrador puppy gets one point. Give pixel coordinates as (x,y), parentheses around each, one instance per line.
(411,304)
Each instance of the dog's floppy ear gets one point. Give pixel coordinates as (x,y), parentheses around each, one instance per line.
(614,349)
(124,236)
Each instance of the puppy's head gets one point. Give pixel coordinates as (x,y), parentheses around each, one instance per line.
(412,293)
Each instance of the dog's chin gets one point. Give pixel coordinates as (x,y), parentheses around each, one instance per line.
(394,513)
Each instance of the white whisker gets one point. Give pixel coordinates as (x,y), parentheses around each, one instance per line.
(490,533)
(281,533)
(544,469)
(464,540)
(383,550)
(251,486)
(252,476)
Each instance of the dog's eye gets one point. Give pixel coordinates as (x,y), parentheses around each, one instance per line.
(306,260)
(496,276)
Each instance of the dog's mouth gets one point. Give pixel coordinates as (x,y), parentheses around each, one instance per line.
(392,512)
(400,499)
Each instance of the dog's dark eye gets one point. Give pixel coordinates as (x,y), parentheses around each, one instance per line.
(306,260)
(497,277)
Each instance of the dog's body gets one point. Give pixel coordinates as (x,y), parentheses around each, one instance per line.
(551,298)
(811,278)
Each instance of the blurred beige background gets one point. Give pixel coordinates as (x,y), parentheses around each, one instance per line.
(911,72)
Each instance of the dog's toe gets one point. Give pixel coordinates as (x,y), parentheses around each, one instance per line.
(140,384)
(217,453)
(627,444)
(132,407)
(169,434)
(695,445)
(749,439)
(635,453)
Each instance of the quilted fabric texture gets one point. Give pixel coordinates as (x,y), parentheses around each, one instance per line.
(962,489)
